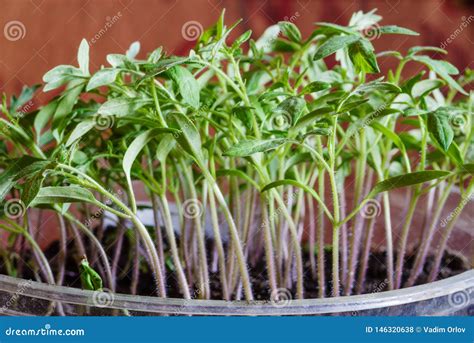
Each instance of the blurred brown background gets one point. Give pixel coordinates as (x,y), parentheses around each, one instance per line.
(39,34)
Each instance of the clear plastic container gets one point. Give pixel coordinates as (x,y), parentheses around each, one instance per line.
(451,296)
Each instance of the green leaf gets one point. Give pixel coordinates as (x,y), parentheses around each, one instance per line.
(334,44)
(132,152)
(362,55)
(31,188)
(136,146)
(103,77)
(67,102)
(83,57)
(167,143)
(16,170)
(44,116)
(188,136)
(290,30)
(443,69)
(289,182)
(309,118)
(80,130)
(315,86)
(454,153)
(440,128)
(407,180)
(242,39)
(60,194)
(467,168)
(250,147)
(187,85)
(25,96)
(416,49)
(90,279)
(393,29)
(425,87)
(334,28)
(291,107)
(133,50)
(123,106)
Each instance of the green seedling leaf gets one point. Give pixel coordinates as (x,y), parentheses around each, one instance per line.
(312,116)
(455,155)
(167,143)
(290,30)
(334,28)
(133,50)
(440,127)
(59,194)
(467,168)
(361,53)
(416,49)
(44,116)
(32,188)
(83,57)
(289,182)
(136,146)
(187,85)
(242,39)
(90,279)
(291,108)
(393,29)
(407,180)
(443,69)
(425,87)
(67,102)
(315,86)
(250,147)
(17,169)
(334,44)
(80,130)
(25,96)
(188,136)
(103,77)
(123,106)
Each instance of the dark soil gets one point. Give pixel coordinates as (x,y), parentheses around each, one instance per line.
(375,280)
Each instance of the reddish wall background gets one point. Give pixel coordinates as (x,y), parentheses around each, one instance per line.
(50,30)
